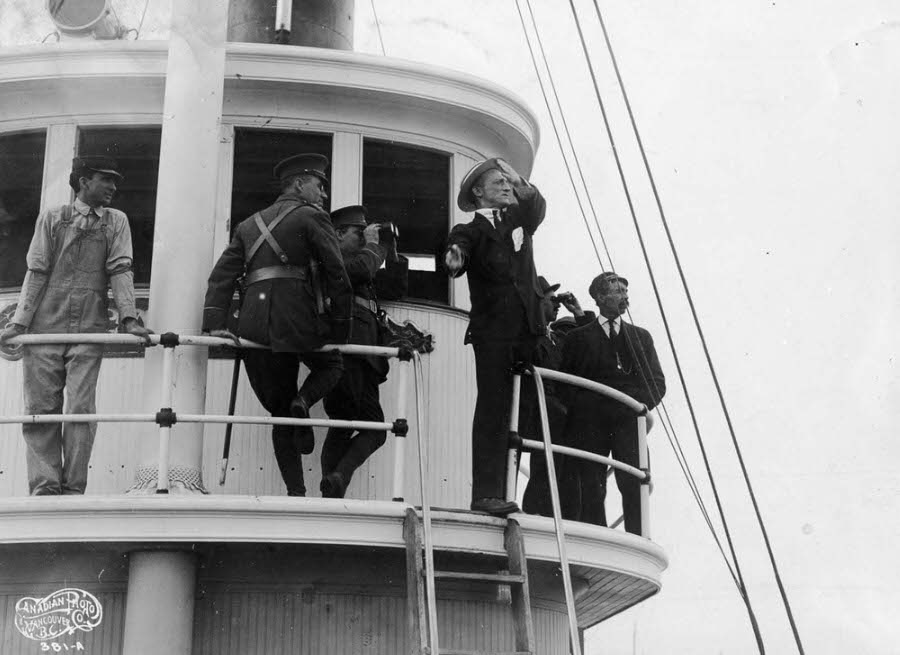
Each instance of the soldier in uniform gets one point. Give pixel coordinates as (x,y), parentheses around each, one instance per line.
(288,257)
(79,250)
(356,395)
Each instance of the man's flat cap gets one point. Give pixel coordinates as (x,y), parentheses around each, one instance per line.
(350,215)
(96,164)
(546,287)
(305,164)
(465,200)
(603,278)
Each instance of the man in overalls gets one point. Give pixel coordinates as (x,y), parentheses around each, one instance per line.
(78,251)
(288,259)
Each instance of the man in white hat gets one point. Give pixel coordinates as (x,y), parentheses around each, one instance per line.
(495,251)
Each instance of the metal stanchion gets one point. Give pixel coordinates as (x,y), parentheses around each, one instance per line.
(400,440)
(511,469)
(644,463)
(165,426)
(557,515)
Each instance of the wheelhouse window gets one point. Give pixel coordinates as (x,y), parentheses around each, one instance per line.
(136,149)
(411,187)
(21,175)
(255,154)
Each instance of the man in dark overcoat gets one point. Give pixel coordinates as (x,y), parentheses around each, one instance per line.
(622,356)
(356,395)
(548,354)
(495,250)
(288,261)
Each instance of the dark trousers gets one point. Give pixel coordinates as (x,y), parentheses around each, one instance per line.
(354,398)
(537,498)
(618,437)
(490,426)
(273,377)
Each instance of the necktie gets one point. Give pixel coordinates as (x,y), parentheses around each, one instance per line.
(612,330)
(497,220)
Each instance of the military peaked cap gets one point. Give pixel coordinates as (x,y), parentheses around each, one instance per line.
(350,215)
(305,164)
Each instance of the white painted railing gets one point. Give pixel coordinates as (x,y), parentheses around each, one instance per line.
(643,473)
(166,417)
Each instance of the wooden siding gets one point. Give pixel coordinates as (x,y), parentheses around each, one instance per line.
(276,623)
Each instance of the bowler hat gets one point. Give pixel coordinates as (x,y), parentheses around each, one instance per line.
(546,287)
(465,200)
(305,164)
(350,215)
(603,278)
(96,164)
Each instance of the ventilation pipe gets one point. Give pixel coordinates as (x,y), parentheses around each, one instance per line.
(315,23)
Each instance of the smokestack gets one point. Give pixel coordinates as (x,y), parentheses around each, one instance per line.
(316,23)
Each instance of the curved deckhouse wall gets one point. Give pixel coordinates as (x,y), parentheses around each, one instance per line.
(67,91)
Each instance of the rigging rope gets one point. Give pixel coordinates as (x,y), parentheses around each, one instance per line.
(745,593)
(694,314)
(670,429)
(560,144)
(377,26)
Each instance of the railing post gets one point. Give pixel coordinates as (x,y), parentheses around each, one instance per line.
(165,395)
(400,440)
(644,465)
(511,468)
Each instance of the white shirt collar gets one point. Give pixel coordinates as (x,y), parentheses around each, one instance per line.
(604,323)
(85,209)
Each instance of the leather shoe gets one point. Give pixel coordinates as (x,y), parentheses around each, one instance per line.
(303,433)
(495,506)
(333,486)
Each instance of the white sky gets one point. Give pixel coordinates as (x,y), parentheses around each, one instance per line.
(771,128)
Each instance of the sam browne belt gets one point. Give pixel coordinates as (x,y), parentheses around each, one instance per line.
(274,272)
(371,305)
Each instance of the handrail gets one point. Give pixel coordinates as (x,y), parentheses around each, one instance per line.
(642,473)
(167,417)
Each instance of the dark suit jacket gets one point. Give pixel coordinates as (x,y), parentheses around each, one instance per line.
(589,353)
(281,313)
(503,285)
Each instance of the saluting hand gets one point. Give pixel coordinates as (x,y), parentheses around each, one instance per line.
(514,178)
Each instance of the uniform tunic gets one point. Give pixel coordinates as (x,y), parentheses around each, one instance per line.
(356,395)
(282,314)
(76,254)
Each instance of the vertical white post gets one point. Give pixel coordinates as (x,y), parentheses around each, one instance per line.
(185,224)
(159,608)
(512,471)
(283,15)
(400,441)
(61,144)
(166,392)
(643,463)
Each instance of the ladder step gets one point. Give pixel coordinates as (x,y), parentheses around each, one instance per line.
(501,578)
